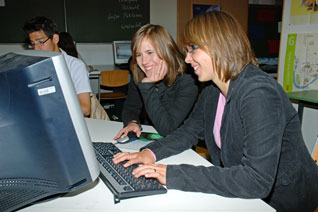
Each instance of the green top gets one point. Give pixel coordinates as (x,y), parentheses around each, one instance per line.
(308,95)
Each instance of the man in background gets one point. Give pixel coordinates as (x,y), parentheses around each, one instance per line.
(43,35)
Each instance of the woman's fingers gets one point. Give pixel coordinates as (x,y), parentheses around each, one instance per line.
(119,134)
(123,156)
(143,157)
(131,127)
(157,171)
(158,73)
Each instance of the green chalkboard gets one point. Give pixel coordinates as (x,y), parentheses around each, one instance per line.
(16,12)
(97,21)
(93,21)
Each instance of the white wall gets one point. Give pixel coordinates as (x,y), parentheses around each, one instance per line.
(310,127)
(96,54)
(163,12)
(5,48)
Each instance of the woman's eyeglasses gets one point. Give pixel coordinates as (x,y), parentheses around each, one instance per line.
(191,48)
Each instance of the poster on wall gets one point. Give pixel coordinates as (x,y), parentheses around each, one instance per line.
(304,12)
(301,62)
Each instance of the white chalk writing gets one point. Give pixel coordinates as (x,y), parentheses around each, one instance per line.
(131,15)
(131,26)
(127,1)
(130,7)
(113,17)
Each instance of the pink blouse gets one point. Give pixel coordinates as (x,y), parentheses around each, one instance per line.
(218,120)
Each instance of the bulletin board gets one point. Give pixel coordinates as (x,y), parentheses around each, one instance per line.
(298,56)
(93,21)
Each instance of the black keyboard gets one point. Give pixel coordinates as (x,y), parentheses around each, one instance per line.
(120,180)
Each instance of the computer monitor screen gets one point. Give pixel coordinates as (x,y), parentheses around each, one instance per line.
(45,147)
(122,52)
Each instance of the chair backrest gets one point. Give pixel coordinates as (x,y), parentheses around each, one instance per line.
(114,78)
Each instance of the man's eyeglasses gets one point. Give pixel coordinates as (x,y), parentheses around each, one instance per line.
(39,43)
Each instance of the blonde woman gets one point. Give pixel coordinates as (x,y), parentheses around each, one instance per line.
(159,83)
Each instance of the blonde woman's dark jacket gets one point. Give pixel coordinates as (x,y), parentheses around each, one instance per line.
(166,107)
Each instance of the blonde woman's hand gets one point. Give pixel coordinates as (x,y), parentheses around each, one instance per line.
(131,127)
(158,73)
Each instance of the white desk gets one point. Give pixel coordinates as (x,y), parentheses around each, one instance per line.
(98,198)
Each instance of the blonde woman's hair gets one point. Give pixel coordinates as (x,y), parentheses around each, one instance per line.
(222,37)
(165,48)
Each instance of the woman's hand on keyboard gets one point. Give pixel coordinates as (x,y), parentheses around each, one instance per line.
(143,157)
(157,171)
(148,169)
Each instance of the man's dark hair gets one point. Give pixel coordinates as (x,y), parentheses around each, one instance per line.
(39,23)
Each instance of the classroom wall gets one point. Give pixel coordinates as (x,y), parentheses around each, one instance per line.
(163,12)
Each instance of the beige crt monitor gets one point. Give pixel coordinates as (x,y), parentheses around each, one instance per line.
(121,52)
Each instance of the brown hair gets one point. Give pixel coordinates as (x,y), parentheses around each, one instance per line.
(222,37)
(165,47)
(66,43)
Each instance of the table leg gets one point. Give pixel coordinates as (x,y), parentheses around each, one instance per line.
(300,111)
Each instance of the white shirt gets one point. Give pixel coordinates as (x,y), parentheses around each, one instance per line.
(79,73)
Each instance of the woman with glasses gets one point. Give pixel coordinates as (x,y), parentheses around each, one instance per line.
(247,121)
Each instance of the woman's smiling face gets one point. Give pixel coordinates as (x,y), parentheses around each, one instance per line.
(201,62)
(147,57)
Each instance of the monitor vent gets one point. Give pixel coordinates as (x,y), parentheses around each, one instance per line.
(13,199)
(18,192)
(26,182)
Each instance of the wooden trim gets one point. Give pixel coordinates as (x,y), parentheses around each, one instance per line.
(183,14)
(239,9)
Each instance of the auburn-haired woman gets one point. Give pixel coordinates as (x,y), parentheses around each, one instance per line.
(247,121)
